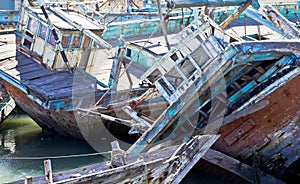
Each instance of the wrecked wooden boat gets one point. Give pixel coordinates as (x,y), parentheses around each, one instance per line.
(49,80)
(7,104)
(62,66)
(208,75)
(166,165)
(214,82)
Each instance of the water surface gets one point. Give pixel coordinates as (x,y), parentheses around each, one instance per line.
(23,145)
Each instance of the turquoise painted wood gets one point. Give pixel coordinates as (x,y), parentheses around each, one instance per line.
(9,16)
(196,3)
(7,5)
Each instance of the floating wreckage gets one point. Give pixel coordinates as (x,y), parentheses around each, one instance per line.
(167,165)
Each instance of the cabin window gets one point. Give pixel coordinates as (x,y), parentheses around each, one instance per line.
(187,67)
(52,39)
(154,75)
(128,52)
(200,56)
(86,42)
(174,57)
(76,41)
(174,77)
(28,39)
(43,32)
(32,25)
(165,87)
(65,41)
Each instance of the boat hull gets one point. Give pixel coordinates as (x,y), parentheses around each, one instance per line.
(268,133)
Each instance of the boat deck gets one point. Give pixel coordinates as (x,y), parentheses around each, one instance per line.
(47,84)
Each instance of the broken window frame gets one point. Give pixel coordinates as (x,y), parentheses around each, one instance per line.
(51,39)
(28,39)
(43,31)
(32,25)
(66,43)
(86,43)
(74,44)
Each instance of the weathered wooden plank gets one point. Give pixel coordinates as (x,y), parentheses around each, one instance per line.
(7,51)
(13,73)
(238,168)
(29,68)
(98,167)
(71,83)
(36,74)
(13,62)
(60,80)
(19,73)
(65,85)
(69,91)
(22,57)
(55,77)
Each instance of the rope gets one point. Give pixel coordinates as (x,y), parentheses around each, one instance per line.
(54,157)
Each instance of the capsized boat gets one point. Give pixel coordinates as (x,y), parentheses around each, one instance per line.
(214,82)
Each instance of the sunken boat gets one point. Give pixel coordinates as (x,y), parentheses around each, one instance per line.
(246,91)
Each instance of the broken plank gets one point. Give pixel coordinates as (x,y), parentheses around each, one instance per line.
(13,63)
(70,92)
(55,77)
(20,73)
(238,168)
(36,74)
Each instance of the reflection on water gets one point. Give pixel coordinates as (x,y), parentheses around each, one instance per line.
(21,137)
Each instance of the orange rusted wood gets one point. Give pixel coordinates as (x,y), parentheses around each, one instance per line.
(282,109)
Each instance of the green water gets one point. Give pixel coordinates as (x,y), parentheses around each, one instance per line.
(22,137)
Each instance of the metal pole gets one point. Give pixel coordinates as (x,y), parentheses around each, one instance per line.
(258,30)
(163,24)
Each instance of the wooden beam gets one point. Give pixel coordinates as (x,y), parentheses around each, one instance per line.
(28,180)
(48,171)
(238,168)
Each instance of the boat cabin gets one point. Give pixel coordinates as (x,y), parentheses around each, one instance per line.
(38,41)
(143,54)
